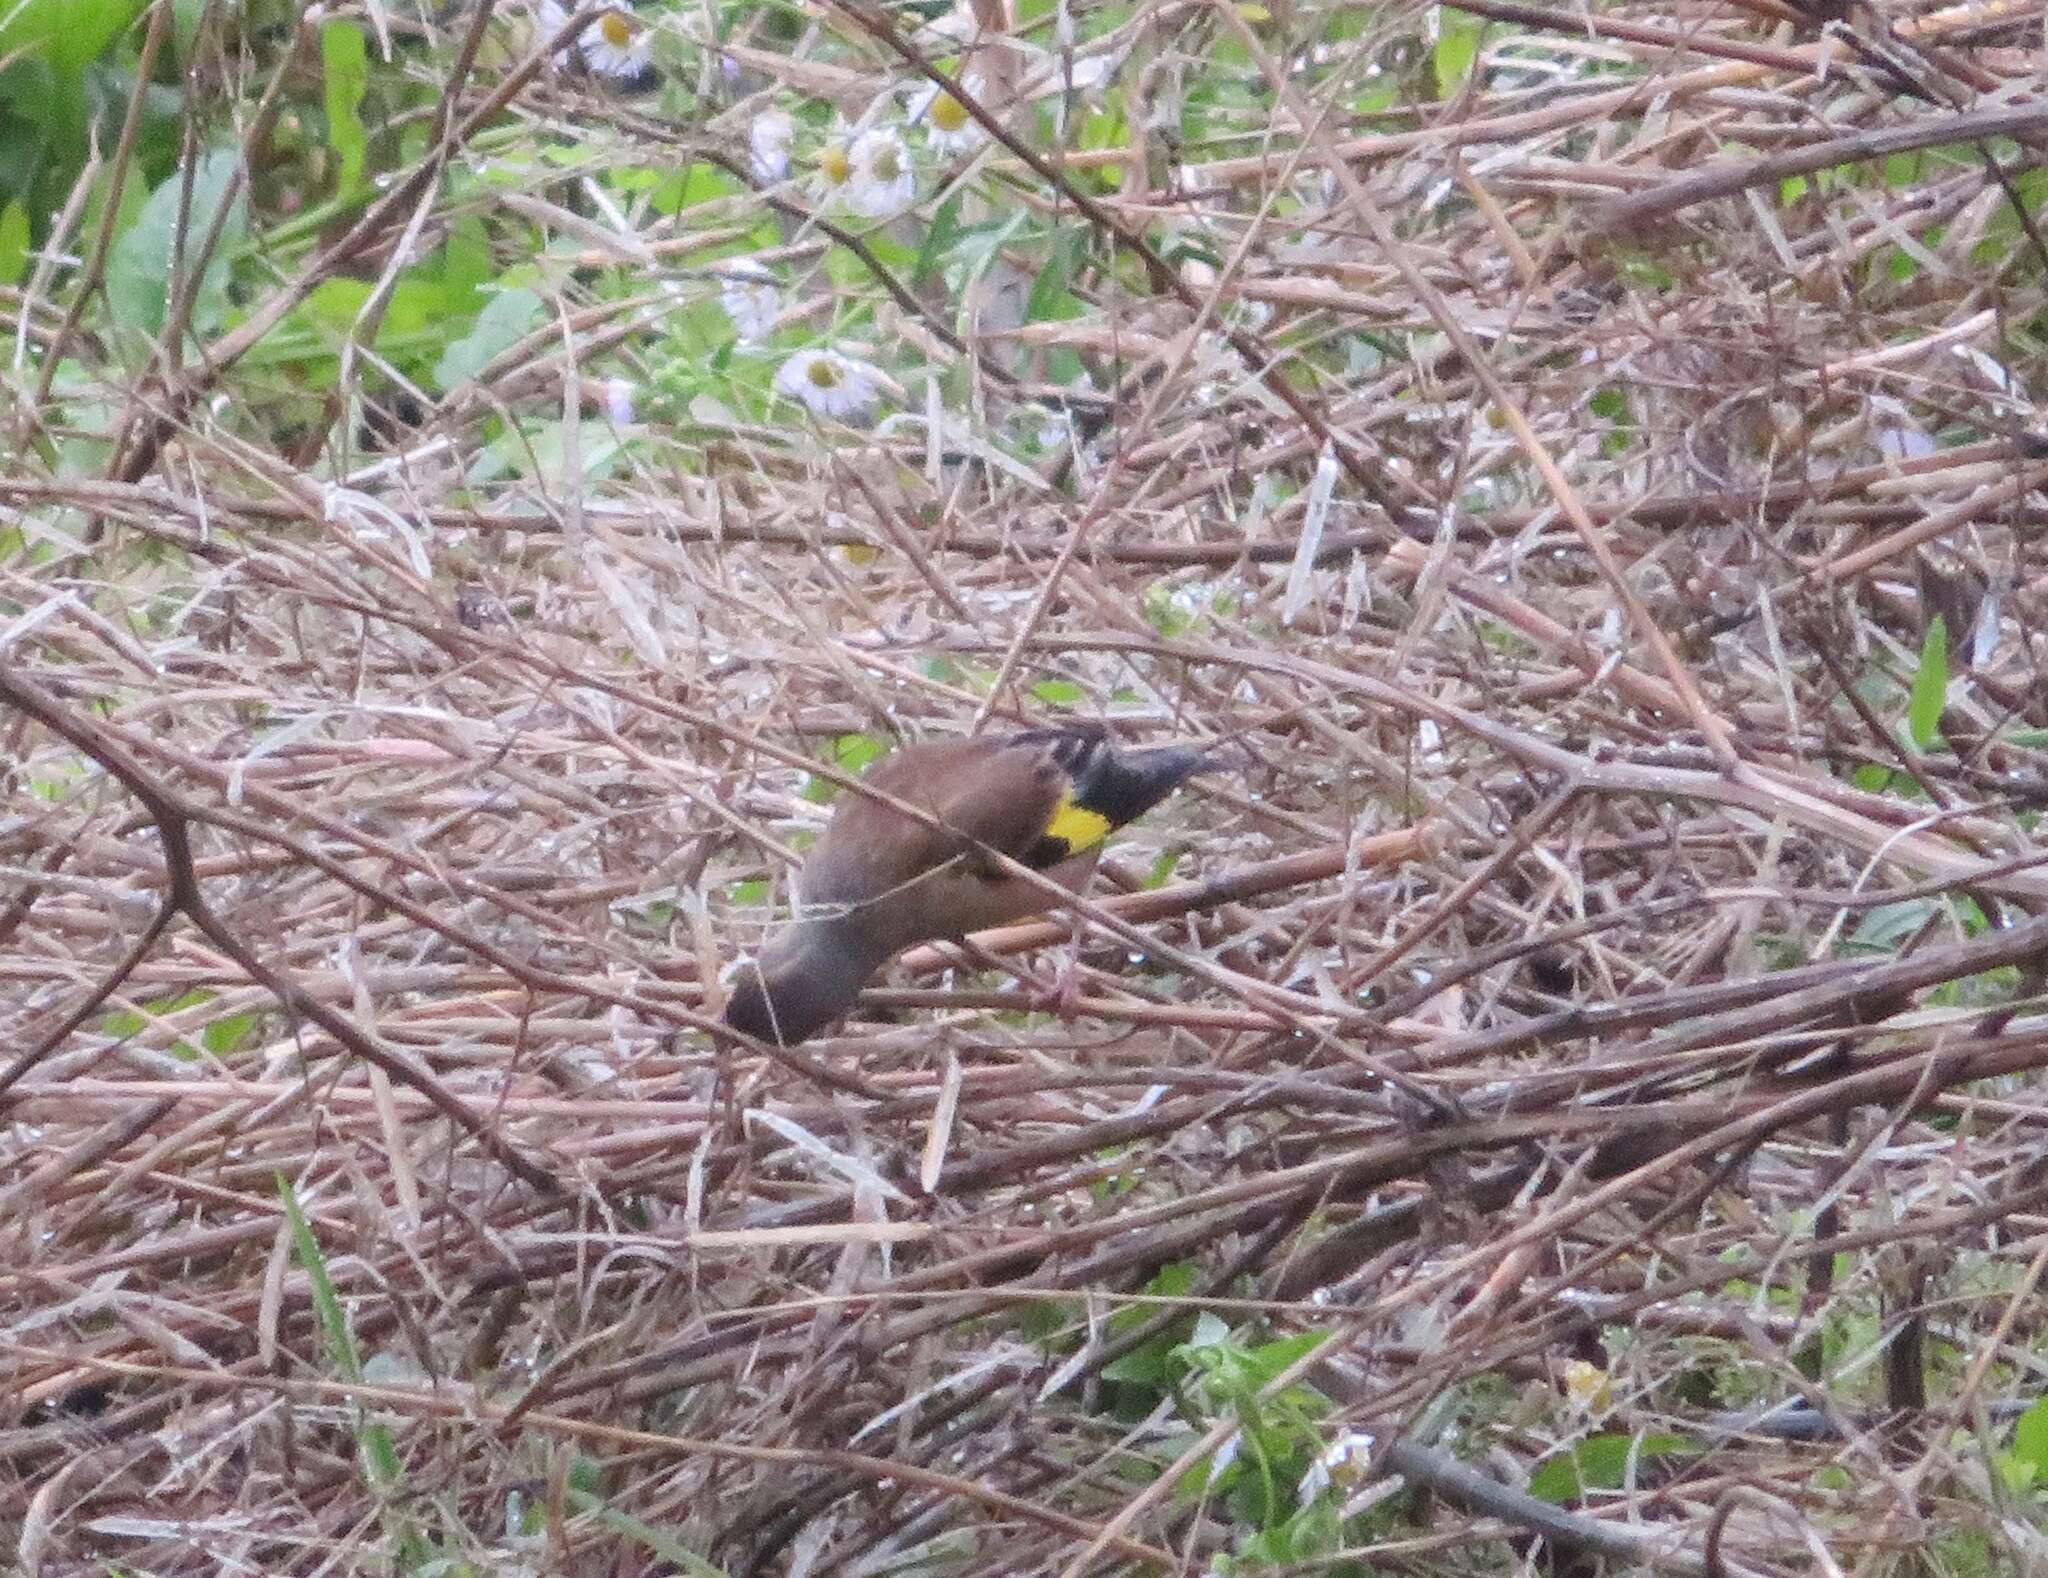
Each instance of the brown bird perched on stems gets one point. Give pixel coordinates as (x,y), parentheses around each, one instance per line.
(880,880)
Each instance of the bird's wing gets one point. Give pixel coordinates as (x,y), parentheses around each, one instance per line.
(1105,787)
(1043,797)
(989,792)
(1001,792)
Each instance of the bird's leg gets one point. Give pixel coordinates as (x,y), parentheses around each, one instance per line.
(1058,993)
(1062,995)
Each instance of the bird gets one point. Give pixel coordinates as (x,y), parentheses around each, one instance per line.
(879,880)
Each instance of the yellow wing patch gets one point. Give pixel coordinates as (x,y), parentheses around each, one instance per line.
(1074,825)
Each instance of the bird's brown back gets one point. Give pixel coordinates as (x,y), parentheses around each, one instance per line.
(985,791)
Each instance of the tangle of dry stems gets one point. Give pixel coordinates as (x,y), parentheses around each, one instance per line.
(1584,966)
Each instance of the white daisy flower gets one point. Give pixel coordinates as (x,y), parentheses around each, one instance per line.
(750,298)
(832,185)
(617,48)
(769,139)
(1587,1387)
(829,384)
(946,123)
(1344,1462)
(884,180)
(618,401)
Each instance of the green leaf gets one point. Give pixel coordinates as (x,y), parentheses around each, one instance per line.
(186,15)
(66,33)
(663,1545)
(1051,1324)
(507,319)
(124,1022)
(1051,295)
(1639,269)
(345,57)
(892,253)
(425,308)
(1885,927)
(943,231)
(139,284)
(1272,1358)
(29,106)
(417,305)
(694,184)
(13,243)
(1457,49)
(1377,98)
(334,303)
(978,246)
(231,1033)
(1179,247)
(1058,692)
(341,1342)
(2030,1438)
(1174,1280)
(1930,686)
(850,753)
(1601,1463)
(1104,128)
(373,1441)
(844,268)
(466,257)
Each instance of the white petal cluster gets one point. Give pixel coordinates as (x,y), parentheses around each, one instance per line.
(616,47)
(769,141)
(829,384)
(947,125)
(751,298)
(884,181)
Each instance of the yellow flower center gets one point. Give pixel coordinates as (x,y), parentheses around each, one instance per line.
(888,162)
(836,164)
(616,29)
(823,374)
(949,115)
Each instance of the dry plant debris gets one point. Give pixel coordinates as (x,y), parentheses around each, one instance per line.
(477,482)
